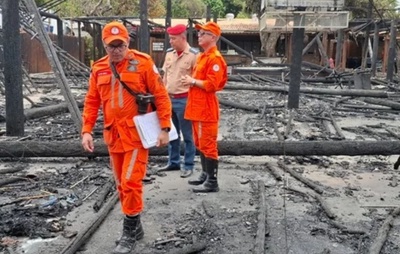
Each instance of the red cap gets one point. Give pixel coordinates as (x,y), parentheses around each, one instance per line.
(114,31)
(211,27)
(175,30)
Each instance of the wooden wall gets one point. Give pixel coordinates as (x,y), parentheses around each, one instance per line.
(34,58)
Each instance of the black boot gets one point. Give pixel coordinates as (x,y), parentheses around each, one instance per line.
(132,231)
(211,183)
(139,233)
(203,175)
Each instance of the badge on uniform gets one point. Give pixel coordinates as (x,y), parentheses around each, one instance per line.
(133,61)
(132,68)
(215,67)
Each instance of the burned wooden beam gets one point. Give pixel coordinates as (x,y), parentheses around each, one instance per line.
(20,149)
(310,90)
(82,237)
(380,239)
(238,105)
(317,188)
(38,112)
(262,225)
(106,189)
(387,103)
(54,62)
(310,44)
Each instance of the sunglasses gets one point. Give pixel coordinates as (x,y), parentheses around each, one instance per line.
(119,47)
(204,33)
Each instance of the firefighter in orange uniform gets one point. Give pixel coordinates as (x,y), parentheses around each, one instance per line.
(209,76)
(128,158)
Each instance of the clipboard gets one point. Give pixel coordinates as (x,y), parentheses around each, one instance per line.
(148,127)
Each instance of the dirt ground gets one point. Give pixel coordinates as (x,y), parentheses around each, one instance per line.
(360,191)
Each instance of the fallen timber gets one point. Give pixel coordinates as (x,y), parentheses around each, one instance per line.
(309,90)
(38,112)
(381,238)
(19,149)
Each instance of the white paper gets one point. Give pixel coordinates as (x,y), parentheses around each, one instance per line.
(148,127)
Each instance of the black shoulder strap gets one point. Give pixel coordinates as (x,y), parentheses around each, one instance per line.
(133,93)
(116,75)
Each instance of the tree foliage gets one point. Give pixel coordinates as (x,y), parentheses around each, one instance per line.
(156,8)
(380,8)
(217,6)
(197,8)
(234,6)
(186,9)
(75,8)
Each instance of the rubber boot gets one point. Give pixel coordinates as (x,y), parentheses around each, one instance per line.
(211,183)
(132,231)
(203,175)
(139,234)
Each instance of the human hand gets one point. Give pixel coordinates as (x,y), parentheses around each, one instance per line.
(87,142)
(162,139)
(186,81)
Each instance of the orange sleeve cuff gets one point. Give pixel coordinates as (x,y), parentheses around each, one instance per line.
(165,124)
(86,129)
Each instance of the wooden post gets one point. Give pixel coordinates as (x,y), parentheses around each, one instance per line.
(295,68)
(324,57)
(366,38)
(375,49)
(331,50)
(191,32)
(144,28)
(13,69)
(339,49)
(81,58)
(385,53)
(325,45)
(392,51)
(94,55)
(344,51)
(289,47)
(167,24)
(208,13)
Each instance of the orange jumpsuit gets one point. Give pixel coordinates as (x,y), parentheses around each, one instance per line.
(127,155)
(202,106)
